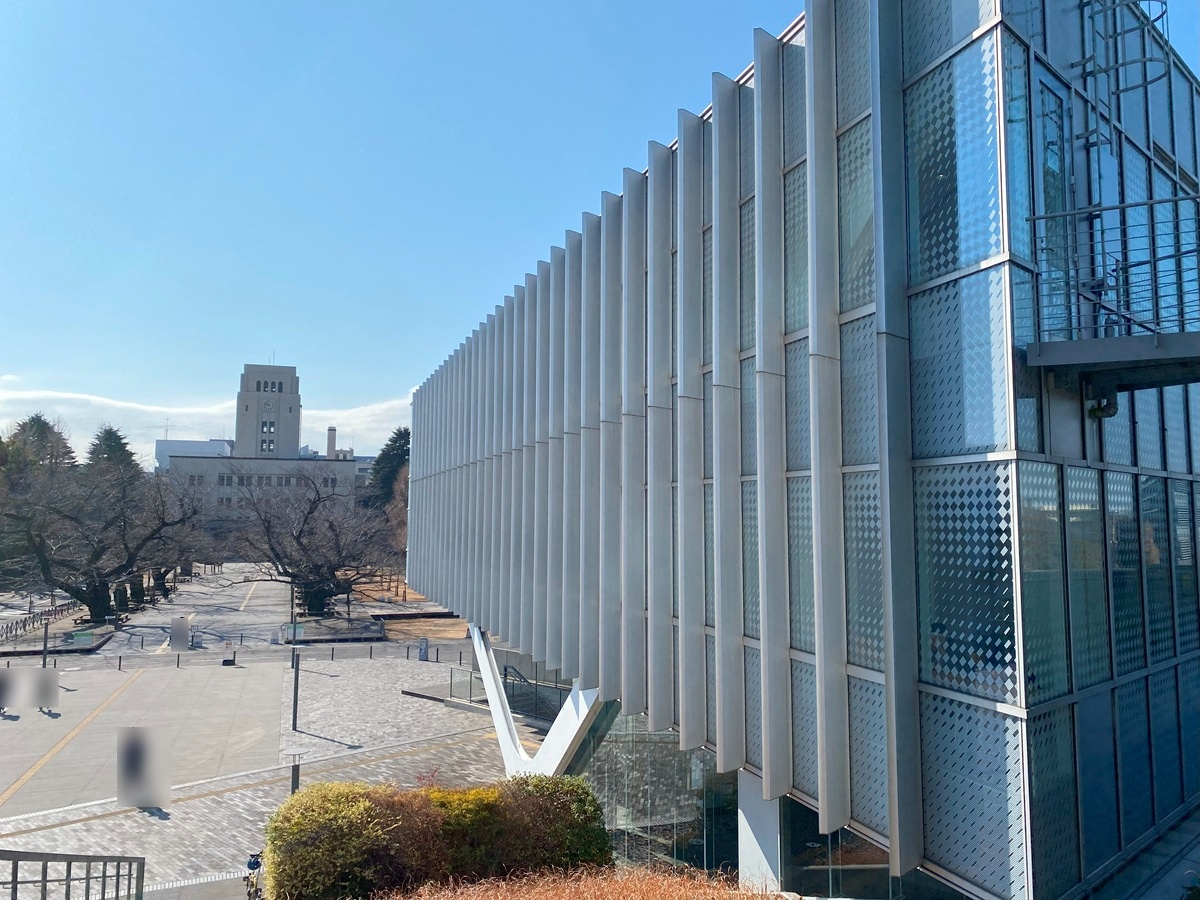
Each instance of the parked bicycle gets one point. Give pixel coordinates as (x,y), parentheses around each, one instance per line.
(253,878)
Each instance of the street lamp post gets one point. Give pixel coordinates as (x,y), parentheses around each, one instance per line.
(295,753)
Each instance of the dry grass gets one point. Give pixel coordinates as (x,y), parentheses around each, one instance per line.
(620,884)
(439,629)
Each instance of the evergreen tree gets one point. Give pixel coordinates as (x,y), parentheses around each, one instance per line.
(38,441)
(110,447)
(391,459)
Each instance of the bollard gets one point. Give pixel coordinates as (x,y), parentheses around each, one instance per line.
(235,657)
(243,640)
(437,654)
(370,651)
(406,649)
(177,655)
(56,662)
(460,657)
(119,664)
(331,654)
(143,642)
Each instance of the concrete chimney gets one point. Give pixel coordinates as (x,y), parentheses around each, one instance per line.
(331,443)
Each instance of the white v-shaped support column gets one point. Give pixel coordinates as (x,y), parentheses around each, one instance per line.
(565,735)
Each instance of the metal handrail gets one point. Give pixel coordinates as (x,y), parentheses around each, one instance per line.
(102,877)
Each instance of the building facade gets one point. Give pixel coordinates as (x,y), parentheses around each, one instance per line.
(268,413)
(858,440)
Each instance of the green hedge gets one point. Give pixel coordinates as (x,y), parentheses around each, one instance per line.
(338,840)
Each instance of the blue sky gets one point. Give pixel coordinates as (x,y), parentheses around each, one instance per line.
(347,188)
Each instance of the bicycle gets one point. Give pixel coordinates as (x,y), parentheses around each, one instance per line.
(253,878)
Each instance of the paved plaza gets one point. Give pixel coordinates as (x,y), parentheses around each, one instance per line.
(226,727)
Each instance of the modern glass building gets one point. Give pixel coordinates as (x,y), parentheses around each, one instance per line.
(858,440)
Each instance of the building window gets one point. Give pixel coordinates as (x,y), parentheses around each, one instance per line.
(271,446)
(262,446)
(241,503)
(264,426)
(271,427)
(273,387)
(333,482)
(279,481)
(243,481)
(258,385)
(287,480)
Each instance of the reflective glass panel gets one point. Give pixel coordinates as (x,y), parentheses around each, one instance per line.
(856,218)
(1133,730)
(1183,567)
(1149,429)
(1124,564)
(952,142)
(1156,568)
(1043,608)
(1164,729)
(864,570)
(1097,780)
(1054,824)
(965,578)
(1117,432)
(1089,605)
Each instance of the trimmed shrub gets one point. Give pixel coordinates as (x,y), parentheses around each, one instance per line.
(415,849)
(560,820)
(336,840)
(324,843)
(476,830)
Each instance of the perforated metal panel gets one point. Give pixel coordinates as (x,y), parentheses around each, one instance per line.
(794,120)
(800,562)
(856,218)
(748,399)
(1148,418)
(1175,420)
(958,369)
(1125,570)
(1164,730)
(860,410)
(710,691)
(1054,824)
(746,311)
(864,570)
(795,249)
(710,588)
(796,416)
(804,727)
(1156,558)
(853,44)
(750,589)
(1194,421)
(1087,578)
(1118,432)
(931,27)
(754,736)
(706,297)
(973,794)
(746,139)
(1183,556)
(1189,725)
(965,578)
(952,141)
(707,385)
(868,755)
(1043,601)
(1133,731)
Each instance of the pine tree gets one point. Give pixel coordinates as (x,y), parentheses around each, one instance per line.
(391,459)
(110,447)
(38,441)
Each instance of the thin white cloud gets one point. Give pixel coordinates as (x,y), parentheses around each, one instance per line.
(10,377)
(366,428)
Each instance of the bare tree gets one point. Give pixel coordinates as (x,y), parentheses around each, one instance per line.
(85,528)
(397,514)
(311,535)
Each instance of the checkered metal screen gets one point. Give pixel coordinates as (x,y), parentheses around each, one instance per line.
(748,398)
(800,562)
(1054,825)
(804,727)
(852,39)
(972,775)
(868,755)
(750,589)
(864,570)
(860,390)
(746,290)
(796,416)
(931,27)
(856,218)
(795,248)
(754,735)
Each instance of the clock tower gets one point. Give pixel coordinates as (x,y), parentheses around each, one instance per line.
(268,413)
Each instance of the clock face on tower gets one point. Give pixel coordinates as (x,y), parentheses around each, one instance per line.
(268,405)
